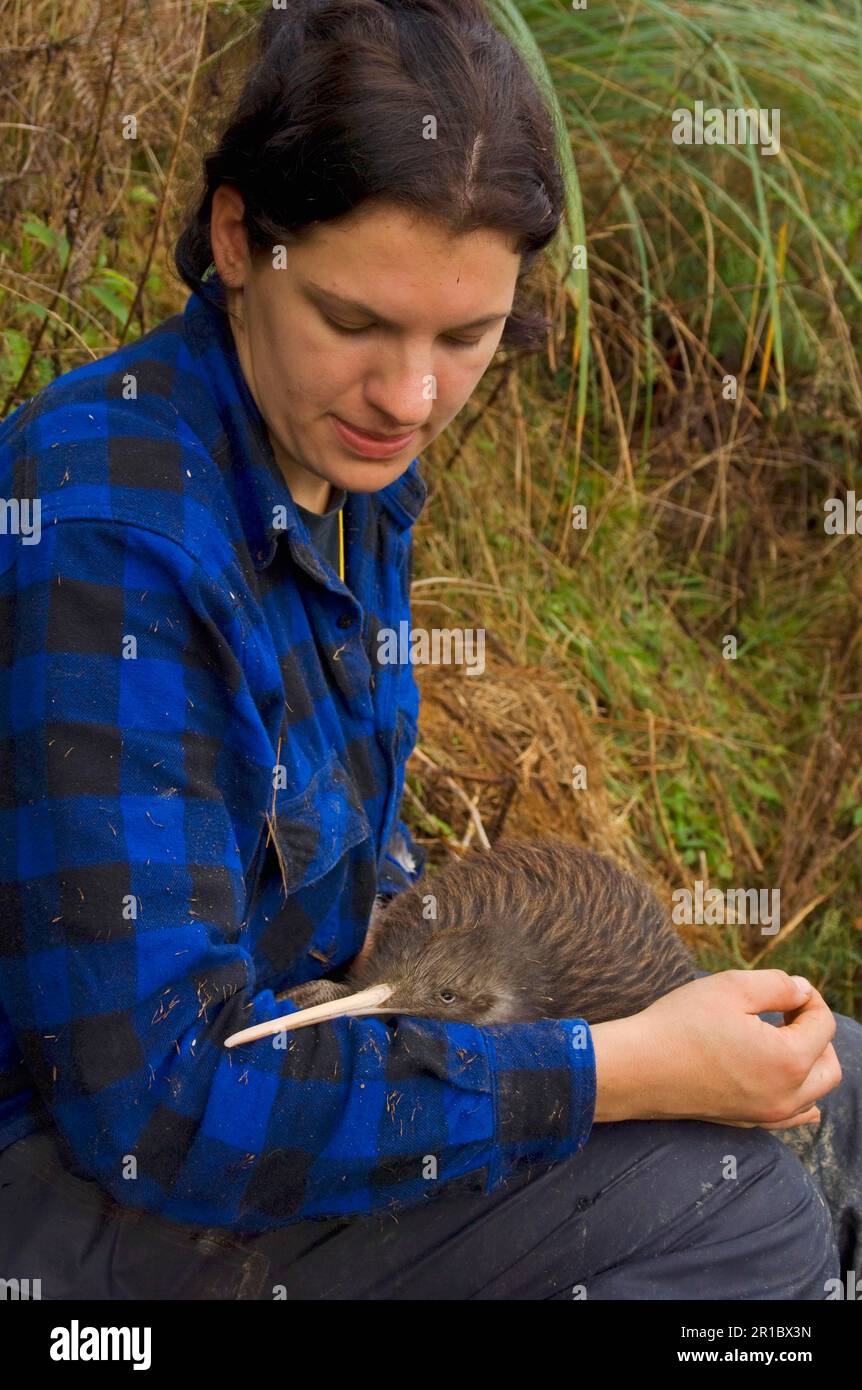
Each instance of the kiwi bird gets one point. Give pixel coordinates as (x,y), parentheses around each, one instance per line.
(525,931)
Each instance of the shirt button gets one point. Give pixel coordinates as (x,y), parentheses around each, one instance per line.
(345,621)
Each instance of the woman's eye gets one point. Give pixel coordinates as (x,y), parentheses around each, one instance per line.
(447,996)
(344,328)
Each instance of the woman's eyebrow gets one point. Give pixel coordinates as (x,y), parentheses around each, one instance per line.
(353,305)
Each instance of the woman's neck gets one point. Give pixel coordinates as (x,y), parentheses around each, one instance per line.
(314,494)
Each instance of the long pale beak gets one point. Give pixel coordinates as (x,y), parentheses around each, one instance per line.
(367,1001)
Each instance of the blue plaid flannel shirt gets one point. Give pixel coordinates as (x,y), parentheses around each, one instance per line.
(201,769)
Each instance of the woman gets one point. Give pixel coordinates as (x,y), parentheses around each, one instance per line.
(205,763)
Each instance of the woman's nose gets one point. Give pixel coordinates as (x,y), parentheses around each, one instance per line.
(403,388)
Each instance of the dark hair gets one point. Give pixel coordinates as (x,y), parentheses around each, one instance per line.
(333,111)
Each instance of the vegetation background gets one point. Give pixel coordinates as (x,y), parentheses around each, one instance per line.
(705,515)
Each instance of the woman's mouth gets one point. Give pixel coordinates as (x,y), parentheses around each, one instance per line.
(370,446)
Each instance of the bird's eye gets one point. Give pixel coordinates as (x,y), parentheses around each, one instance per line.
(448,996)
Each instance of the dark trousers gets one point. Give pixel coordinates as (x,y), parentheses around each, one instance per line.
(647,1210)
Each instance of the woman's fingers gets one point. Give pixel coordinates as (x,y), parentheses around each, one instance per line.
(824,1076)
(809,1028)
(809,1115)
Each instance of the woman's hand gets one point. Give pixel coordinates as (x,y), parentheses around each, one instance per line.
(701,1053)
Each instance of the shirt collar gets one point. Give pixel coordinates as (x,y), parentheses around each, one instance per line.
(336,504)
(260,485)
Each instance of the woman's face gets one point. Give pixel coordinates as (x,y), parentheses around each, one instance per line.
(380,320)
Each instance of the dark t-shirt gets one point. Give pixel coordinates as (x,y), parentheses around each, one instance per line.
(323,529)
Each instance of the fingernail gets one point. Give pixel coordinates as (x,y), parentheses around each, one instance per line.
(804,985)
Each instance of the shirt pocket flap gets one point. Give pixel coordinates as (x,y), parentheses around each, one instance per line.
(314,829)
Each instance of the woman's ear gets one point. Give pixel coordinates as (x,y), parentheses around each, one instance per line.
(228,237)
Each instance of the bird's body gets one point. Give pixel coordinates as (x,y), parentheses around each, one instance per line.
(527,930)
